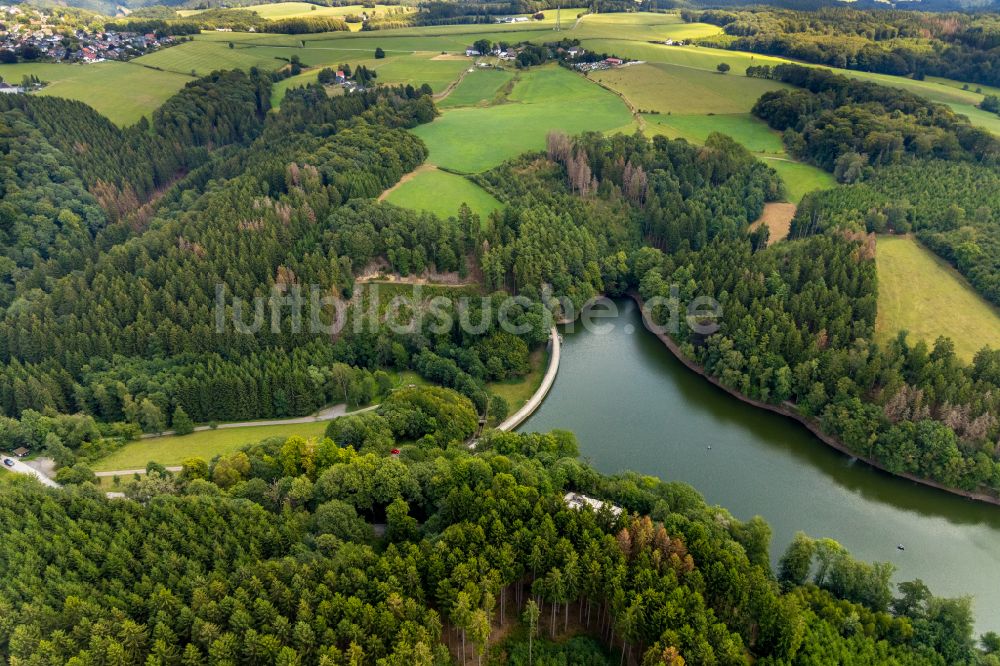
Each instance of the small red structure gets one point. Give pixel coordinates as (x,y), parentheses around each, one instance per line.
(613,61)
(395,453)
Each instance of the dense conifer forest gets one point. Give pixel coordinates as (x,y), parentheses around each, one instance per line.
(269,556)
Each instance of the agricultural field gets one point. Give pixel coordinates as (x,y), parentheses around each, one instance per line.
(441,193)
(173,449)
(124,92)
(202,56)
(415,69)
(677,79)
(692,57)
(641,27)
(922,294)
(667,88)
(284,10)
(478,87)
(548,98)
(752,132)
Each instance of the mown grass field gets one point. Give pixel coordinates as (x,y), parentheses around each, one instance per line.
(548,98)
(922,294)
(480,86)
(283,10)
(172,450)
(752,132)
(202,56)
(799,178)
(668,88)
(124,92)
(641,27)
(442,193)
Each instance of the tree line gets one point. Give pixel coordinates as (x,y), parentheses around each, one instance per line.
(954,45)
(268,555)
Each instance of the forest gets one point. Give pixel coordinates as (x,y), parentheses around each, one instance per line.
(269,555)
(798,318)
(117,335)
(953,45)
(869,136)
(390,540)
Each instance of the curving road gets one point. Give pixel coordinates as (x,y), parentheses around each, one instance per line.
(519,417)
(20,468)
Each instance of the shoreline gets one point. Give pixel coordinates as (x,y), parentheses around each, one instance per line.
(535,401)
(787,410)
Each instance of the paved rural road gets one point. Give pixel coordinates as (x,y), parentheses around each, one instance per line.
(21,468)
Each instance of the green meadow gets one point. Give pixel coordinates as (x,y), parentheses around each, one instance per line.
(173,449)
(415,69)
(920,293)
(204,56)
(752,132)
(549,98)
(284,10)
(799,178)
(676,79)
(441,193)
(480,86)
(668,88)
(124,92)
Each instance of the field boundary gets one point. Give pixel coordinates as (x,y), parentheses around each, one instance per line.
(787,410)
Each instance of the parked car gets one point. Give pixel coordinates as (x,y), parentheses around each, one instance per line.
(8,462)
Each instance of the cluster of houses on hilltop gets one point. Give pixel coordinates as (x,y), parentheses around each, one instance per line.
(510,52)
(607,63)
(39,37)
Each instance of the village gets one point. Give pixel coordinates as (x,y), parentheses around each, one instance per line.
(28,34)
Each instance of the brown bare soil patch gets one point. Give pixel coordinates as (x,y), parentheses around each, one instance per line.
(778,218)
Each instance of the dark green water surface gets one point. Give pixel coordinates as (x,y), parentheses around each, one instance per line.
(634,406)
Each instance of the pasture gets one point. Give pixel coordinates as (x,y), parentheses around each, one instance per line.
(124,92)
(668,88)
(641,27)
(549,98)
(677,79)
(920,293)
(173,449)
(441,193)
(478,87)
(284,10)
(202,56)
(748,130)
(415,69)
